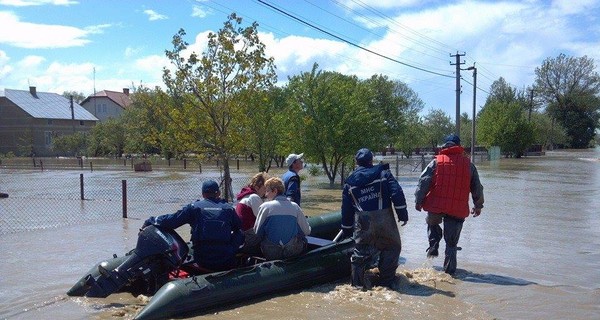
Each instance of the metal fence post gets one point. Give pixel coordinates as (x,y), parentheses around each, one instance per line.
(91,167)
(124,190)
(397,166)
(42,165)
(81,186)
(342,176)
(422,162)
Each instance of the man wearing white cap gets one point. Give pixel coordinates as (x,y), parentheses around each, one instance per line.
(291,179)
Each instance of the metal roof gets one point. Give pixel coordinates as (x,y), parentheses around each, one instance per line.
(46,105)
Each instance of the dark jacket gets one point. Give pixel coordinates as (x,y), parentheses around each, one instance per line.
(215,231)
(291,182)
(365,184)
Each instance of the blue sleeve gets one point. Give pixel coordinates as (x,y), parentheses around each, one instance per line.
(347,211)
(397,196)
(173,220)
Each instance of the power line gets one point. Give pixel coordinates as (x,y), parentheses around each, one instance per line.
(350,42)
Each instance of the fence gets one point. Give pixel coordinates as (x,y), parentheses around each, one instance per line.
(65,194)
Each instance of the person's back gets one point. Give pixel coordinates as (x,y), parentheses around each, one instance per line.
(215,228)
(216,235)
(367,216)
(281,224)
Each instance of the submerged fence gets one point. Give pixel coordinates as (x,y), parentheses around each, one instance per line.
(60,195)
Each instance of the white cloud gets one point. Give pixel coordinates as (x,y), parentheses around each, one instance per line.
(5,68)
(131,51)
(26,3)
(200,11)
(153,15)
(30,35)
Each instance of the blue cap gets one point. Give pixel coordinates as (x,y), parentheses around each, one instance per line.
(451,140)
(364,157)
(210,186)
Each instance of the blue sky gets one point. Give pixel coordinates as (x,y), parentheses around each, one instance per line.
(56,45)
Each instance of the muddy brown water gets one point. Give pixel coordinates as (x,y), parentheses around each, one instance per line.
(534,253)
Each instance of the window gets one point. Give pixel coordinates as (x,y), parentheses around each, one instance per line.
(48,137)
(81,122)
(49,121)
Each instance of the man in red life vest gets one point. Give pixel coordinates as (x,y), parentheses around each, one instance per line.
(443,191)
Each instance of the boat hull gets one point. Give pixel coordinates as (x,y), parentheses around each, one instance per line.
(201,293)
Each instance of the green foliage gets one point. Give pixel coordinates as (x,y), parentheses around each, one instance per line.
(208,91)
(546,131)
(71,144)
(504,125)
(107,138)
(78,97)
(331,115)
(570,86)
(314,171)
(437,125)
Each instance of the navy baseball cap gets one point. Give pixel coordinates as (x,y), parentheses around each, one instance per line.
(210,186)
(364,157)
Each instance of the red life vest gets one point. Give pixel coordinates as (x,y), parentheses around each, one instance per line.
(450,186)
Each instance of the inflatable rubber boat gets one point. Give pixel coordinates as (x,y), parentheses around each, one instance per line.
(157,267)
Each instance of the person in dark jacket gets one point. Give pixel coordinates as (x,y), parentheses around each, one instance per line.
(443,191)
(371,195)
(291,179)
(215,228)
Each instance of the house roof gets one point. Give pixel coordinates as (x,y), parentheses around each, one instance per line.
(47,105)
(120,98)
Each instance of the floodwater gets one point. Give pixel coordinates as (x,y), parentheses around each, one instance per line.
(534,253)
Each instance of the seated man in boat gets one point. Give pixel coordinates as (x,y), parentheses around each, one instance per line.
(280,224)
(215,229)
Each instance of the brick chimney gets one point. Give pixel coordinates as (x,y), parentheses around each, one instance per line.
(126,91)
(32,91)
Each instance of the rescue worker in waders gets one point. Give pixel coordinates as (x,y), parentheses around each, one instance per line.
(443,191)
(371,195)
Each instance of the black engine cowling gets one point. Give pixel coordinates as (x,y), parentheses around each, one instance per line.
(158,251)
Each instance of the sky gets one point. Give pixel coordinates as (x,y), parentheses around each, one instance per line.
(92,45)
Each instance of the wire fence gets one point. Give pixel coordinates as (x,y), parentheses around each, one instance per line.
(67,192)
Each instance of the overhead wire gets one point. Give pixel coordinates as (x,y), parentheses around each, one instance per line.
(349,42)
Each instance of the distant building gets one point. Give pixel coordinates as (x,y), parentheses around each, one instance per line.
(31,120)
(107,104)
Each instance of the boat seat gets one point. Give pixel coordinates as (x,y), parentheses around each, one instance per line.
(318,241)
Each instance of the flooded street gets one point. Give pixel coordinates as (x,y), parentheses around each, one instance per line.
(534,253)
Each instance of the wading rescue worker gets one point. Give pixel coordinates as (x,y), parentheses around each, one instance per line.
(280,224)
(215,228)
(291,179)
(371,195)
(443,191)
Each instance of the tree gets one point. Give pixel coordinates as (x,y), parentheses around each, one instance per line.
(77,96)
(70,144)
(107,138)
(505,125)
(265,124)
(569,86)
(332,118)
(437,126)
(211,90)
(547,132)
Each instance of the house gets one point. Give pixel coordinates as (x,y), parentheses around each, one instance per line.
(107,104)
(30,120)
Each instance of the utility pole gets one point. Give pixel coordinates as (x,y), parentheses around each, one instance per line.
(72,114)
(457,64)
(474,115)
(530,103)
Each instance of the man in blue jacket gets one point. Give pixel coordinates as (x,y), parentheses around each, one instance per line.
(368,215)
(291,179)
(215,228)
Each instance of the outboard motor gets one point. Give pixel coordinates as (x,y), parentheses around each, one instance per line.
(158,251)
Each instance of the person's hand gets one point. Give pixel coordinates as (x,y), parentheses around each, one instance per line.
(418,206)
(403,222)
(476,212)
